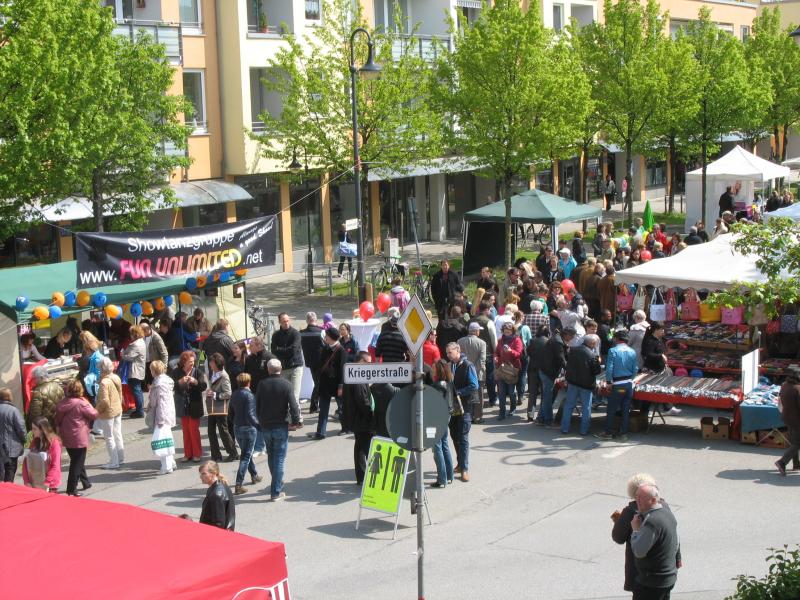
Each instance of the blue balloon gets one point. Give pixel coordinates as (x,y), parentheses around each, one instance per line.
(22,303)
(191,284)
(136,310)
(225,277)
(99,299)
(168,300)
(55,311)
(70,298)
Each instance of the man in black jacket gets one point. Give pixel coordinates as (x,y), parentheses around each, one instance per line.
(275,401)
(450,330)
(655,544)
(359,417)
(311,342)
(583,367)
(219,341)
(536,349)
(332,362)
(391,347)
(256,362)
(443,287)
(726,201)
(551,363)
(286,346)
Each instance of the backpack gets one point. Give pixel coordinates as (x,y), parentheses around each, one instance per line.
(400,300)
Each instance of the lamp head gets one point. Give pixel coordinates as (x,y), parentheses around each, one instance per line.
(295,164)
(370,69)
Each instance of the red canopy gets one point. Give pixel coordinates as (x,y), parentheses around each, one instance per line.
(80,548)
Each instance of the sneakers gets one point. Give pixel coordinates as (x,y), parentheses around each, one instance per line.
(239,490)
(674,411)
(256,454)
(164,472)
(256,479)
(604,436)
(280,496)
(109,466)
(621,437)
(436,484)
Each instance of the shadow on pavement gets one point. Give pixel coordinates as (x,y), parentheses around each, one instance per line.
(192,497)
(325,488)
(369,524)
(767,476)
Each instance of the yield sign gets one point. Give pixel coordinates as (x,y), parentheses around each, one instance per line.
(415,325)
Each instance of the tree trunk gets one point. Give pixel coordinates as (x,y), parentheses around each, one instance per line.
(672,161)
(703,182)
(784,142)
(97,202)
(776,146)
(629,179)
(505,196)
(584,177)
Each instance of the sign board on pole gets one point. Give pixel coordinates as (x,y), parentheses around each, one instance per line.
(415,325)
(378,373)
(435,416)
(750,371)
(351,224)
(387,467)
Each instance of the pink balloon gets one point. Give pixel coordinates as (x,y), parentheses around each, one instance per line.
(646,255)
(567,285)
(366,310)
(383,302)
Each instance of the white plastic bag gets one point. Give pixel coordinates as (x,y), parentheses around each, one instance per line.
(162,443)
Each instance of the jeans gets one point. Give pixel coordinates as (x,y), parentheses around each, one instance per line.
(360,452)
(341,263)
(443,460)
(459,431)
(507,389)
(619,398)
(522,382)
(246,436)
(546,410)
(491,390)
(112,432)
(220,422)
(77,458)
(295,376)
(641,592)
(277,440)
(533,390)
(575,393)
(136,389)
(8,469)
(260,445)
(324,409)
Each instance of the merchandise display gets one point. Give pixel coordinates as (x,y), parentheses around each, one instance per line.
(703,391)
(715,335)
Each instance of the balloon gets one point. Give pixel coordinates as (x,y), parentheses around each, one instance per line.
(567,285)
(383,302)
(99,299)
(168,300)
(41,312)
(84,298)
(21,303)
(159,304)
(202,281)
(58,299)
(147,308)
(366,310)
(185,298)
(136,310)
(69,299)
(646,255)
(191,284)
(225,277)
(215,277)
(241,272)
(113,311)
(54,311)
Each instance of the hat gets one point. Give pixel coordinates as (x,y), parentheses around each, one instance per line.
(475,326)
(621,335)
(727,213)
(332,333)
(327,318)
(564,251)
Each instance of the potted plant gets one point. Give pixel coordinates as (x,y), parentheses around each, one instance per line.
(262,23)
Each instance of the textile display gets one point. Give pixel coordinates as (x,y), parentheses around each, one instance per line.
(759,409)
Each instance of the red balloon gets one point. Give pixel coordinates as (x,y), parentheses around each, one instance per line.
(383,302)
(366,310)
(567,285)
(645,254)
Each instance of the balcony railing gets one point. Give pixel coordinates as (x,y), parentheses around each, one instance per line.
(427,47)
(167,34)
(268,30)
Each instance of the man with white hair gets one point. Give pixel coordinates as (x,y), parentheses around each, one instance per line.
(45,397)
(655,545)
(506,317)
(276,404)
(636,334)
(536,318)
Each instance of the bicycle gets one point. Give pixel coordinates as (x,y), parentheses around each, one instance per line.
(541,237)
(422,284)
(262,321)
(382,278)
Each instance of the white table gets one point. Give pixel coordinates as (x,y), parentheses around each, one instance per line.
(363,331)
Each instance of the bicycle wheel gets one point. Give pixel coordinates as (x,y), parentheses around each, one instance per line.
(544,235)
(380,280)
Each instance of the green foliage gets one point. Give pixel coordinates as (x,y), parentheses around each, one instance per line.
(83,113)
(515,91)
(397,125)
(782,581)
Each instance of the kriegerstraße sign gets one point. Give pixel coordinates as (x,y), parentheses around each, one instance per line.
(116,258)
(378,373)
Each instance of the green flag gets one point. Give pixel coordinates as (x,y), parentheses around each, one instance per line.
(648,217)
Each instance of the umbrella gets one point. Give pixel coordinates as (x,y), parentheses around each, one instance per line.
(648,217)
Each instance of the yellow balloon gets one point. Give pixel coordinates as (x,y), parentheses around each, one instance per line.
(159,304)
(147,308)
(41,313)
(58,299)
(185,298)
(112,311)
(84,298)
(202,280)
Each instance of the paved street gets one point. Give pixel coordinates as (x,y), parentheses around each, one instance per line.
(532,523)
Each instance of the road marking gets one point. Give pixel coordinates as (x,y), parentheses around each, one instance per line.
(617,452)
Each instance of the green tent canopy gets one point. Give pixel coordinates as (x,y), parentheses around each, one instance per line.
(535,206)
(38,283)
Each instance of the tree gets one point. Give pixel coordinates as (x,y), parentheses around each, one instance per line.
(515,91)
(84,113)
(629,84)
(727,94)
(397,125)
(776,56)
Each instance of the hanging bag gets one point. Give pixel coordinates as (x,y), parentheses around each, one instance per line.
(710,314)
(758,316)
(624,298)
(690,309)
(789,320)
(162,443)
(658,309)
(640,299)
(733,316)
(670,309)
(507,373)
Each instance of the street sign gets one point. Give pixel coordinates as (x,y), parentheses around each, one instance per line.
(387,467)
(400,416)
(351,224)
(415,325)
(378,373)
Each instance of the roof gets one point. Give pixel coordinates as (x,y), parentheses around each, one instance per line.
(741,164)
(788,212)
(38,283)
(535,206)
(432,167)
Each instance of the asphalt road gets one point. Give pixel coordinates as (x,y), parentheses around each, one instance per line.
(532,523)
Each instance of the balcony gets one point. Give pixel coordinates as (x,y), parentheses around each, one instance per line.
(269,18)
(167,34)
(427,47)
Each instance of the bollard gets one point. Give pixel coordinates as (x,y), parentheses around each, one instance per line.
(352,279)
(368,292)
(330,281)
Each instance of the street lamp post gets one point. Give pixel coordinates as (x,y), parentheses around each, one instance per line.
(296,166)
(370,67)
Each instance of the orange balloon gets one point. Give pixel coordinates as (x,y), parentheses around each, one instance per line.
(202,280)
(159,304)
(58,299)
(84,298)
(112,311)
(185,298)
(147,308)
(241,272)
(216,277)
(41,313)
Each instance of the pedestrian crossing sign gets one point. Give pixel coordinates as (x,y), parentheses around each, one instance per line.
(385,477)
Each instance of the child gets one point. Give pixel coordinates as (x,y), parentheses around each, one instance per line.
(42,466)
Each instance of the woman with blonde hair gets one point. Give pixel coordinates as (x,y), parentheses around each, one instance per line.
(42,466)
(161,404)
(219,509)
(109,410)
(136,355)
(89,364)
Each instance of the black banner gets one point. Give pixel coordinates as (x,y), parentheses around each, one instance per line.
(117,258)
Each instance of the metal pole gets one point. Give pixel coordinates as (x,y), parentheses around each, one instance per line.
(310,255)
(418,441)
(357,169)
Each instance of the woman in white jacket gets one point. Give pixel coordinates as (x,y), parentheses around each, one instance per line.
(161,402)
(136,354)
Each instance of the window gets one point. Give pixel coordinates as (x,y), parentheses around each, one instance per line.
(262,99)
(558,17)
(313,12)
(37,244)
(656,175)
(745,31)
(266,201)
(122,9)
(304,213)
(194,90)
(190,13)
(207,214)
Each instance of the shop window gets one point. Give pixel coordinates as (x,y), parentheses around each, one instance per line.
(305,212)
(656,175)
(266,200)
(544,180)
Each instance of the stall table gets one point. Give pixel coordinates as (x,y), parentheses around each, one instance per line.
(704,392)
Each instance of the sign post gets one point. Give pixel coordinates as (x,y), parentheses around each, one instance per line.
(385,479)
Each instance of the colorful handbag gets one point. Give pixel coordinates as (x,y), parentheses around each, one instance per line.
(710,314)
(670,310)
(789,323)
(733,316)
(658,309)
(773,326)
(624,298)
(690,308)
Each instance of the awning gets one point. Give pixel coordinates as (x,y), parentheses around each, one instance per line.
(469,3)
(535,206)
(613,148)
(434,167)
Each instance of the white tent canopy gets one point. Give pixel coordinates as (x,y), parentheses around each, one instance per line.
(737,166)
(714,265)
(790,212)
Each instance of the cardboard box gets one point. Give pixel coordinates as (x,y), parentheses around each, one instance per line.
(772,439)
(715,431)
(749,437)
(637,422)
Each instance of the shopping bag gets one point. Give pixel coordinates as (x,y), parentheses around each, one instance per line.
(348,249)
(670,310)
(690,309)
(709,314)
(123,370)
(733,316)
(162,443)
(624,298)
(658,310)
(640,299)
(773,326)
(789,321)
(758,316)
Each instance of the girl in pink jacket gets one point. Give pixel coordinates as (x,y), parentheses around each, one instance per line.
(42,467)
(509,352)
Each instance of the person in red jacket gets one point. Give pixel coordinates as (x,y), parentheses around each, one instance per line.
(74,416)
(38,471)
(509,351)
(430,350)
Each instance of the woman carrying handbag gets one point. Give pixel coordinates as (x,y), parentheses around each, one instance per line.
(218,396)
(507,358)
(161,409)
